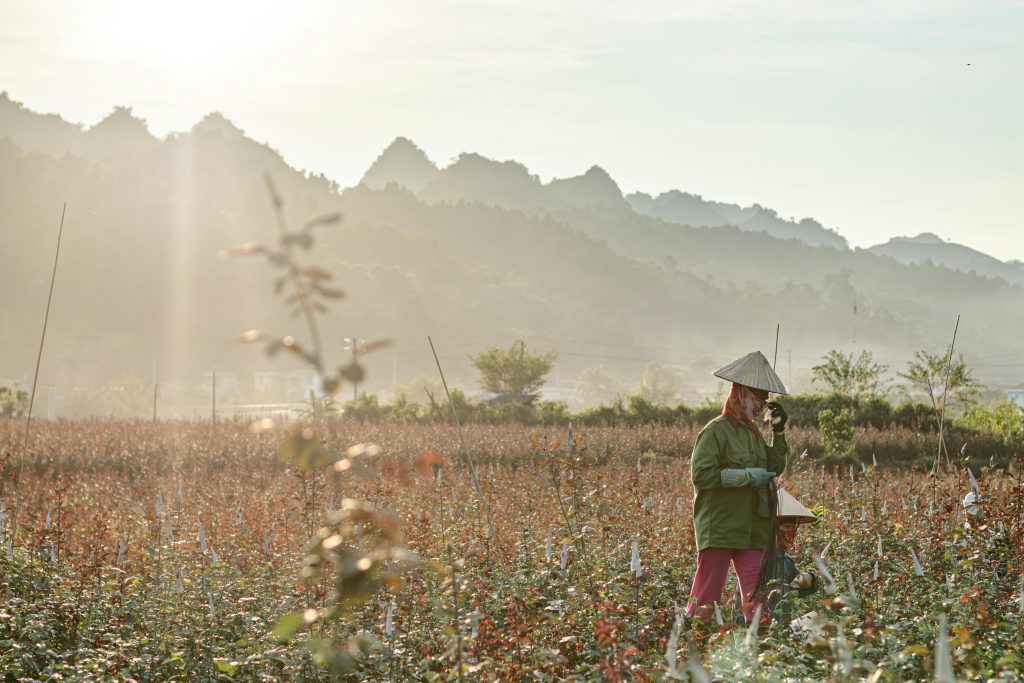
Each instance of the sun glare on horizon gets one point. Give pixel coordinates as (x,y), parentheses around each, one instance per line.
(188,39)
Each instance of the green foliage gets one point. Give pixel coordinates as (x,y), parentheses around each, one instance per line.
(514,373)
(13,401)
(927,374)
(1003,419)
(837,434)
(859,379)
(317,407)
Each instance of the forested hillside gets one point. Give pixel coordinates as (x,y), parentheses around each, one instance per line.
(482,252)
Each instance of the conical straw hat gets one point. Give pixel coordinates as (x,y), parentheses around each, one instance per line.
(791,507)
(753,370)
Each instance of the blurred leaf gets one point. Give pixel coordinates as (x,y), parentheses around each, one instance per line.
(331,385)
(287,625)
(331,292)
(224,666)
(300,239)
(250,336)
(304,451)
(314,273)
(375,345)
(324,219)
(353,372)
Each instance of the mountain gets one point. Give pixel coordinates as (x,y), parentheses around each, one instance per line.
(475,178)
(403,163)
(689,209)
(595,189)
(930,248)
(141,289)
(510,185)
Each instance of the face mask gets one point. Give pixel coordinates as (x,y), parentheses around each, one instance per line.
(786,538)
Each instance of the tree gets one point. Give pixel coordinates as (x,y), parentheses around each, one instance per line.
(661,383)
(860,378)
(597,385)
(13,401)
(515,373)
(927,374)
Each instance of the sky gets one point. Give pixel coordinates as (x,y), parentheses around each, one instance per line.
(876,118)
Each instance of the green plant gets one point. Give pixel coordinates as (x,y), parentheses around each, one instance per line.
(13,401)
(514,373)
(953,385)
(837,433)
(857,379)
(358,543)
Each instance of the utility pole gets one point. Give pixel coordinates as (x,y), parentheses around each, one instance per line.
(155,387)
(214,397)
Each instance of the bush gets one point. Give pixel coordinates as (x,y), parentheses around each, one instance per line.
(837,434)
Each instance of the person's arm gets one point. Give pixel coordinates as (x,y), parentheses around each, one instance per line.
(807,584)
(705,468)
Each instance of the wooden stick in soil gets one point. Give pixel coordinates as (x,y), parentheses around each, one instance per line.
(39,358)
(945,390)
(481,497)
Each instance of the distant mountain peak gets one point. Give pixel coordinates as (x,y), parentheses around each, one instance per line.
(122,119)
(594,188)
(923,238)
(685,208)
(929,247)
(403,163)
(215,122)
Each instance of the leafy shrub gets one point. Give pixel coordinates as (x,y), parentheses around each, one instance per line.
(837,434)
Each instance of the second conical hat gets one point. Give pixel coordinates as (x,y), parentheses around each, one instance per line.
(752,370)
(791,507)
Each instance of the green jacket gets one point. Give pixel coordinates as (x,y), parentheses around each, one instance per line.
(728,517)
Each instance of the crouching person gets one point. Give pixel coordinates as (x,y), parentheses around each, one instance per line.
(787,580)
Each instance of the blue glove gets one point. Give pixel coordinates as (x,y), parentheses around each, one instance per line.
(759,477)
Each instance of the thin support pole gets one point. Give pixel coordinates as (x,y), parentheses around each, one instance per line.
(776,358)
(39,357)
(945,390)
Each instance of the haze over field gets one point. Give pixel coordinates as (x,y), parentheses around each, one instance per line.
(475,252)
(663,183)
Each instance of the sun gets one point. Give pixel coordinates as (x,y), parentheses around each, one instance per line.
(186,38)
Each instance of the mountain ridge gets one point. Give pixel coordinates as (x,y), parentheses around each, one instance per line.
(581,266)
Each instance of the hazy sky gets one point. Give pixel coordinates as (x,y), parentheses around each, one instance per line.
(877,118)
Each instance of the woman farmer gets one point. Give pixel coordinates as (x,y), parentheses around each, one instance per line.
(730,468)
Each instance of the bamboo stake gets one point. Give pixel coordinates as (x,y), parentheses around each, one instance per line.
(945,390)
(484,502)
(39,358)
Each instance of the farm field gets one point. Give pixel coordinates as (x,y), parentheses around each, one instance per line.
(177,551)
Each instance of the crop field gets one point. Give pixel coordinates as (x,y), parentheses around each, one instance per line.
(161,551)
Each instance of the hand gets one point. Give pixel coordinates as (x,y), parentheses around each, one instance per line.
(803,581)
(779,416)
(759,477)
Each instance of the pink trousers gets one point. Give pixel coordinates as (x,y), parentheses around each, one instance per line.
(712,572)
